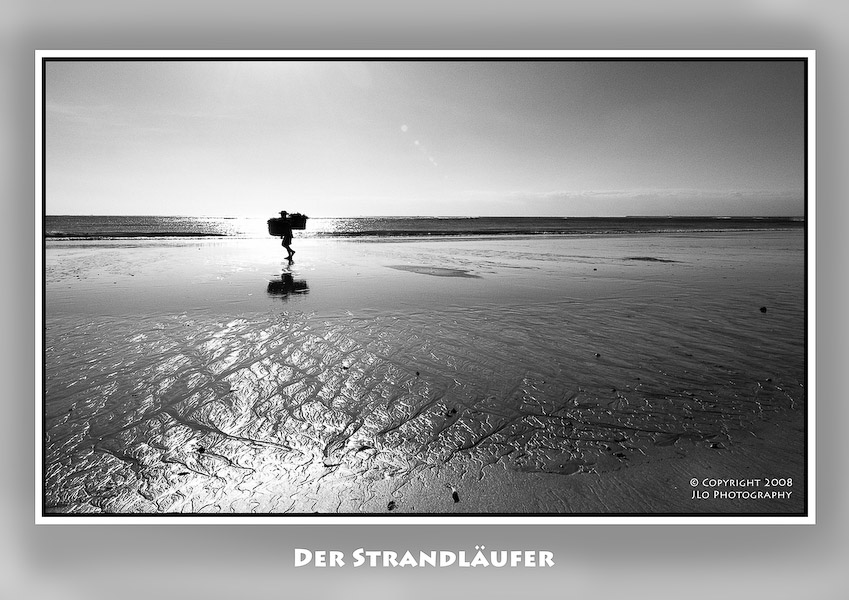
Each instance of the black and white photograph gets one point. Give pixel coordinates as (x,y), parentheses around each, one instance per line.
(377,287)
(422,300)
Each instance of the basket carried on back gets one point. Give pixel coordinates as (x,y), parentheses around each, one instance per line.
(277,225)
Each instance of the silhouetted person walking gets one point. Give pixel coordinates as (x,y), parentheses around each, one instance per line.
(287,234)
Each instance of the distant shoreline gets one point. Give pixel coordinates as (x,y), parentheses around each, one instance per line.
(106,236)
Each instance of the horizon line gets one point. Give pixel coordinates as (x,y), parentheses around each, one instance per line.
(400,216)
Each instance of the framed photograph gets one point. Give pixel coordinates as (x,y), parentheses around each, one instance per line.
(425,287)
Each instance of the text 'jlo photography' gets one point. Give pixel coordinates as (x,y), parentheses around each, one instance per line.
(767,488)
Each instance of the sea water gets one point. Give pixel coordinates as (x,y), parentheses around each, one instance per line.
(105,227)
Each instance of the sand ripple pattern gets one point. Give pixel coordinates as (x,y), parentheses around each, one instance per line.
(288,413)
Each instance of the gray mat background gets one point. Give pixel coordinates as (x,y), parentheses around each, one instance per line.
(251,561)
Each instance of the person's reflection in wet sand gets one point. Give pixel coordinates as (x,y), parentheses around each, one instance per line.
(287,286)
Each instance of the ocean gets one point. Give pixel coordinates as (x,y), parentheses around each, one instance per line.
(109,227)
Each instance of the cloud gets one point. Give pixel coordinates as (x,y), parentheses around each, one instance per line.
(666,194)
(645,202)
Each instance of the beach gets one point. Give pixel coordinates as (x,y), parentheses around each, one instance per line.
(496,375)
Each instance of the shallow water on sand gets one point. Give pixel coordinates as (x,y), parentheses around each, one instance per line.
(354,383)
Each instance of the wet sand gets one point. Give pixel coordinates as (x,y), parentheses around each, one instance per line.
(510,375)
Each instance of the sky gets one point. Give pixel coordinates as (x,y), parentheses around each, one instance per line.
(430,138)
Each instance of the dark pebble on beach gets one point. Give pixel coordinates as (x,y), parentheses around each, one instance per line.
(763,308)
(201,449)
(417,373)
(391,505)
(597,355)
(456,496)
